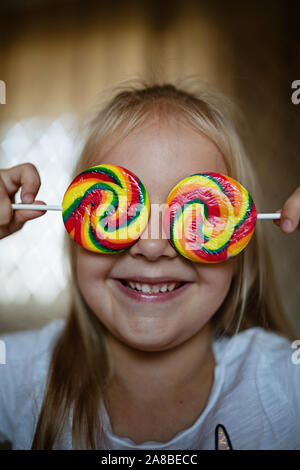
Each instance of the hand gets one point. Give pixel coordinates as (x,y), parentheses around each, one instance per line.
(290,213)
(11,179)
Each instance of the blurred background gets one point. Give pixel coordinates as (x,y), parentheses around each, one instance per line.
(57,57)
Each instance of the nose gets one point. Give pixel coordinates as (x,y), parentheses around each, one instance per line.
(153,243)
(152,249)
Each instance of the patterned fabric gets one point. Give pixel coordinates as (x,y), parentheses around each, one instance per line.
(222,438)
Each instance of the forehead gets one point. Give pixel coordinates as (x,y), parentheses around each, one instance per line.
(161,154)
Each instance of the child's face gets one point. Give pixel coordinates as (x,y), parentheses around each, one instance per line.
(160,155)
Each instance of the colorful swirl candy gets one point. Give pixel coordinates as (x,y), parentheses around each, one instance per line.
(209,217)
(105,208)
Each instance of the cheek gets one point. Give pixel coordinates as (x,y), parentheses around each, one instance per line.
(92,270)
(216,279)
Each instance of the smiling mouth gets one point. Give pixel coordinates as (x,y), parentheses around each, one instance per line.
(150,289)
(151,292)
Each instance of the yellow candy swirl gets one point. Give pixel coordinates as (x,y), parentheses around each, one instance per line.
(105,208)
(209,217)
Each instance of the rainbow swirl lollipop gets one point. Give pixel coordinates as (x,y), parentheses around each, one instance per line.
(105,209)
(209,217)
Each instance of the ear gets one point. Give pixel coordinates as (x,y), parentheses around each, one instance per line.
(222,441)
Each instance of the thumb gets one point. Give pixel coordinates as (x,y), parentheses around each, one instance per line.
(277,221)
(22,216)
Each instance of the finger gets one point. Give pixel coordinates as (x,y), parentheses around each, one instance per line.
(21,216)
(277,221)
(6,212)
(18,220)
(291,213)
(25,175)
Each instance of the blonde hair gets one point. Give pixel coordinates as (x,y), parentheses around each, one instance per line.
(80,365)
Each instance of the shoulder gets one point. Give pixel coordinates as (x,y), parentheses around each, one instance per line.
(253,344)
(271,352)
(27,353)
(266,359)
(26,345)
(23,375)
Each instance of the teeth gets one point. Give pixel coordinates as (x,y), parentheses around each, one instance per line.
(153,288)
(146,288)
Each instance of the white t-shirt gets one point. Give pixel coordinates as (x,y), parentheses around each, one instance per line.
(255,395)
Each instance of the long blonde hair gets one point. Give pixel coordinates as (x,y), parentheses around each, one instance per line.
(80,365)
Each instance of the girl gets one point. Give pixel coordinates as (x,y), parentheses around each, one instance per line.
(156,370)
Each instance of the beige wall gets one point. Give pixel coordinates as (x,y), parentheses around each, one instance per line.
(54,64)
(57,59)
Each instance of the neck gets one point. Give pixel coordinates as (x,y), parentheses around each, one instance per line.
(147,376)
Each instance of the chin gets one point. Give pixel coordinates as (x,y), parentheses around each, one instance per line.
(150,346)
(149,340)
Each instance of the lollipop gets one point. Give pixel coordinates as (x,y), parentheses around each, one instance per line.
(105,208)
(209,217)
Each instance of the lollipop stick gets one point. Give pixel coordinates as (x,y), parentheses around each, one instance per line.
(37,207)
(276,215)
(42,207)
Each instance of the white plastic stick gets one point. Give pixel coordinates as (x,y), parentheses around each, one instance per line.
(37,207)
(276,215)
(41,207)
